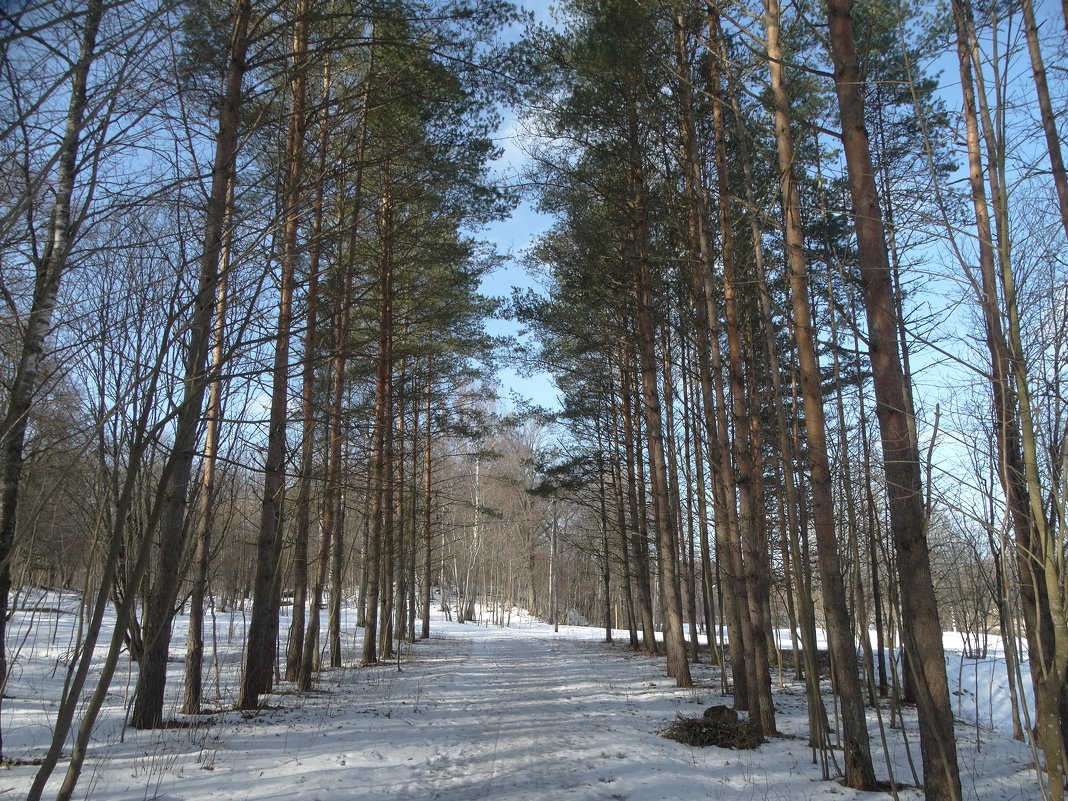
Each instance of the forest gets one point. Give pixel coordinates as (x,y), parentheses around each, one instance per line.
(802,296)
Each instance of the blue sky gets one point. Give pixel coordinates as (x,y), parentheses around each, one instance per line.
(512,237)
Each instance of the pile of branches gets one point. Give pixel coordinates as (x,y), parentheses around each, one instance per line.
(720,726)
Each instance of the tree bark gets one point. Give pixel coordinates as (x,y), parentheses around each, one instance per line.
(302,521)
(194,656)
(428,473)
(711,382)
(381,468)
(621,516)
(920,625)
(671,601)
(859,771)
(1045,106)
(260,651)
(148,697)
(642,583)
(758,671)
(384,402)
(49,272)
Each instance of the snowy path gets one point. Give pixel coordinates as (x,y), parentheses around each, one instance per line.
(516,714)
(515,721)
(480,714)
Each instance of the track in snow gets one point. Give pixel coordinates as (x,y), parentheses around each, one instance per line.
(516,721)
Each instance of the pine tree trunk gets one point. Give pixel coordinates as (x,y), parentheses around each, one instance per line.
(156,630)
(693,488)
(671,602)
(384,386)
(859,771)
(758,671)
(620,503)
(711,380)
(428,535)
(1045,105)
(302,521)
(261,648)
(920,625)
(684,574)
(194,657)
(400,538)
(707,573)
(643,583)
(381,468)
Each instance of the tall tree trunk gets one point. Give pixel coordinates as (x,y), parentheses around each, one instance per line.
(859,772)
(671,602)
(194,657)
(758,673)
(335,435)
(726,97)
(921,628)
(711,377)
(263,626)
(684,572)
(692,488)
(707,573)
(428,535)
(49,272)
(381,468)
(159,613)
(385,386)
(1045,105)
(643,584)
(302,518)
(400,539)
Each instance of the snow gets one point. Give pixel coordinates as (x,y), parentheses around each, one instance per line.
(475,712)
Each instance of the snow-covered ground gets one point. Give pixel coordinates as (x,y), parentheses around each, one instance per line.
(474,712)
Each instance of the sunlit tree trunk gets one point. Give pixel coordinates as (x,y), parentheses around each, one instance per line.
(711,383)
(263,626)
(148,696)
(332,479)
(302,518)
(758,671)
(639,551)
(49,271)
(920,627)
(671,602)
(1045,106)
(859,772)
(194,656)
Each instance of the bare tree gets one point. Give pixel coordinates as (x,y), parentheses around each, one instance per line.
(49,269)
